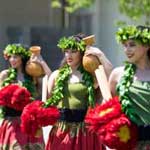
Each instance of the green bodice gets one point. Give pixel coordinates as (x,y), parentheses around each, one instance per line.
(75,96)
(139,93)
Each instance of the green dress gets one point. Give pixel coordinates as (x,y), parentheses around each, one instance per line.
(75,96)
(139,93)
(70,132)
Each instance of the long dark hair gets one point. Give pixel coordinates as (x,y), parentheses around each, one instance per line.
(140,27)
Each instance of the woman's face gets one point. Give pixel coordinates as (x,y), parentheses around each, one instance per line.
(134,51)
(73,57)
(15,61)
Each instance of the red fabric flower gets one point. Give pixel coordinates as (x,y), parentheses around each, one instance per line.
(14,96)
(20,98)
(112,125)
(104,113)
(29,123)
(119,133)
(6,94)
(34,116)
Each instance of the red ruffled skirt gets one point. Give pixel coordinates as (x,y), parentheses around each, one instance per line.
(72,136)
(11,137)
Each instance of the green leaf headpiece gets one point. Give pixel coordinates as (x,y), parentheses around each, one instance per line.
(16,49)
(140,33)
(71,43)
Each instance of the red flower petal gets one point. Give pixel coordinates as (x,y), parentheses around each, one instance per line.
(103,113)
(14,96)
(119,133)
(34,116)
(6,94)
(113,127)
(20,98)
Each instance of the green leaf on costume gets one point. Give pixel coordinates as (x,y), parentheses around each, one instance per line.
(123,90)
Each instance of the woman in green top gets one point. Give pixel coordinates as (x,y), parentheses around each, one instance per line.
(132,81)
(72,90)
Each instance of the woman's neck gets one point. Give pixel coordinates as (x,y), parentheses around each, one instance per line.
(19,70)
(143,71)
(74,68)
(20,74)
(143,64)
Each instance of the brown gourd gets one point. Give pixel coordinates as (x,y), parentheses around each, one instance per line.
(33,68)
(90,62)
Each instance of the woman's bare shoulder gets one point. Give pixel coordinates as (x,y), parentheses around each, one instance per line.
(117,73)
(3,76)
(55,73)
(114,78)
(118,69)
(4,73)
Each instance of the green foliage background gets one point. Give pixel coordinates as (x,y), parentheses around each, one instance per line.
(136,9)
(71,5)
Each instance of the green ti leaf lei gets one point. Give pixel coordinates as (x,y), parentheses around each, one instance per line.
(28,83)
(12,74)
(123,90)
(57,93)
(70,43)
(132,32)
(89,82)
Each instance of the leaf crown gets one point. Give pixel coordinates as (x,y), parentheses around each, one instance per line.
(139,33)
(16,49)
(71,43)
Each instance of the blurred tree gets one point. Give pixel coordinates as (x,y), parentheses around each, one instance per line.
(70,6)
(135,9)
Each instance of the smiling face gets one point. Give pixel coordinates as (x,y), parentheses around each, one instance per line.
(73,57)
(134,51)
(15,61)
